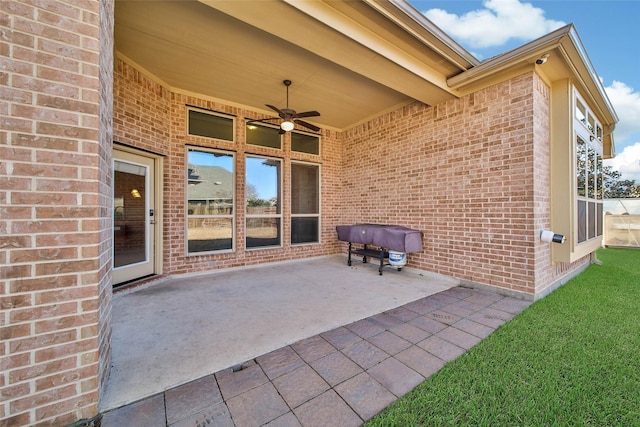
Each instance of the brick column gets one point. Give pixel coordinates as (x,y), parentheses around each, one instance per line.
(55,216)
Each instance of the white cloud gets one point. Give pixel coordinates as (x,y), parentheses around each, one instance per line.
(627,162)
(626,102)
(496,24)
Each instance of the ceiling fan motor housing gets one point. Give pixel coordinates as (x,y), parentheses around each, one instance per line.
(290,115)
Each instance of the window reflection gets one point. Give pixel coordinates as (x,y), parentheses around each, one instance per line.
(129,214)
(581,166)
(263,201)
(210,201)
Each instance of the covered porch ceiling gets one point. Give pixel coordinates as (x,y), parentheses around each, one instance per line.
(351,61)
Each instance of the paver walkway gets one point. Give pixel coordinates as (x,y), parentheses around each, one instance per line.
(342,377)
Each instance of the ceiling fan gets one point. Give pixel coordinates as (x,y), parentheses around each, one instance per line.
(289,116)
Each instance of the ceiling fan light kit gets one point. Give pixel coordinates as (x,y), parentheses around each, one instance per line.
(289,116)
(287,126)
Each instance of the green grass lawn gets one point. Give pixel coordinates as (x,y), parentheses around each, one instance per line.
(570,359)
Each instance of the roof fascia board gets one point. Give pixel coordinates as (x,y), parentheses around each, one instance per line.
(346,26)
(506,60)
(415,23)
(567,41)
(593,79)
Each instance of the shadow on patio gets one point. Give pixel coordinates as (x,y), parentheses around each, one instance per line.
(181,329)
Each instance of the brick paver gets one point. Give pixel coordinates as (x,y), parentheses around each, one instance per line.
(340,377)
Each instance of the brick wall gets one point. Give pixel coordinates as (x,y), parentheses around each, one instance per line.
(105,178)
(149,116)
(54,222)
(547,274)
(465,173)
(471,173)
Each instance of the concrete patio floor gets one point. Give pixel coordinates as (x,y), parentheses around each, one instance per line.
(169,333)
(329,345)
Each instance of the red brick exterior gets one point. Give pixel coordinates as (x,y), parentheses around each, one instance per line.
(473,174)
(150,117)
(55,198)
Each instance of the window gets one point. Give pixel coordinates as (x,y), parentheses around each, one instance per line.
(305,203)
(577,151)
(589,191)
(263,202)
(210,125)
(210,200)
(264,136)
(305,143)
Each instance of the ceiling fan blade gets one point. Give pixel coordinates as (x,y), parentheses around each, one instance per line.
(307,114)
(277,110)
(307,125)
(250,121)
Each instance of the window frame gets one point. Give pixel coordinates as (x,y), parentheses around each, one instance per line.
(210,113)
(309,134)
(279,215)
(231,216)
(570,120)
(589,131)
(264,126)
(317,215)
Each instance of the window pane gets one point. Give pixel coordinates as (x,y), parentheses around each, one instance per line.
(210,125)
(582,221)
(210,201)
(304,230)
(129,214)
(264,136)
(581,112)
(599,180)
(262,191)
(592,220)
(591,185)
(210,234)
(591,123)
(581,166)
(599,214)
(305,143)
(263,232)
(263,206)
(305,193)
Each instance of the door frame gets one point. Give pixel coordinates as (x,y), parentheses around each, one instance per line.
(156,252)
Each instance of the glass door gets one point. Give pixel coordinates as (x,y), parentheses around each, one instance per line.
(133,217)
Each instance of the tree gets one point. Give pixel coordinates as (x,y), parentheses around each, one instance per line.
(251,192)
(617,188)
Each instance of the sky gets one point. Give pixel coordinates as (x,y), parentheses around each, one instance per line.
(609,30)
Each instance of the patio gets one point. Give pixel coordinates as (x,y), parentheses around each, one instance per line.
(320,343)
(166,334)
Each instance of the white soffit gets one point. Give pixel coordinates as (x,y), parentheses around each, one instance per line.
(349,60)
